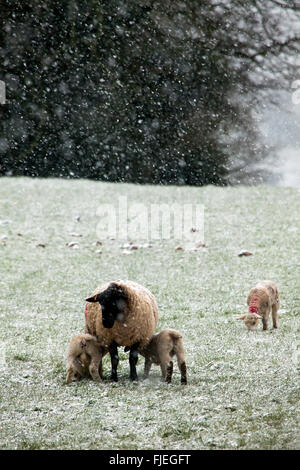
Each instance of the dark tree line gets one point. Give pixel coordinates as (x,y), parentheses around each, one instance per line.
(140,91)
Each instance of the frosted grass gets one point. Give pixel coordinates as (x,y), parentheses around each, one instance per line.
(242,390)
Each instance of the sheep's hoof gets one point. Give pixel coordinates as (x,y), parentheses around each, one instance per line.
(134,378)
(114,378)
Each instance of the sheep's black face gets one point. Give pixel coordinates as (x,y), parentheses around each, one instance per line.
(108,314)
(113,302)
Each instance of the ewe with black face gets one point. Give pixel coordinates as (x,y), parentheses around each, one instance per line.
(122,313)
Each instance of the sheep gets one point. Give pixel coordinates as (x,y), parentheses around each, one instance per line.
(121,313)
(84,357)
(263,297)
(160,350)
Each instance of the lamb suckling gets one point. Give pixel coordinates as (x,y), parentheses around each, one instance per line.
(84,357)
(161,349)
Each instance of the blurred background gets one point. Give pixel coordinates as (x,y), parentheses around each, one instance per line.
(180,92)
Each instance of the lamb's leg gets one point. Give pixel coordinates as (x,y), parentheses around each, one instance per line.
(164,360)
(114,357)
(133,358)
(275,315)
(265,318)
(147,367)
(169,372)
(265,323)
(94,371)
(70,375)
(95,367)
(181,361)
(182,368)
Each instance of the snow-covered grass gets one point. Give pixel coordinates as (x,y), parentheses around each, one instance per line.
(243,386)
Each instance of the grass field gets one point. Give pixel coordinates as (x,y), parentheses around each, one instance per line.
(243,386)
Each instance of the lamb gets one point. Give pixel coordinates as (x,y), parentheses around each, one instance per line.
(263,297)
(84,357)
(122,313)
(160,350)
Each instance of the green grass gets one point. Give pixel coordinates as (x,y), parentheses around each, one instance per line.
(243,386)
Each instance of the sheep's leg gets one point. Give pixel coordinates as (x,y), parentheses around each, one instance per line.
(275,315)
(265,319)
(94,368)
(182,368)
(169,372)
(165,359)
(133,358)
(70,375)
(147,367)
(114,357)
(94,371)
(181,361)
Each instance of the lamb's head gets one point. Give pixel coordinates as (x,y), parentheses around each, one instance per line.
(251,320)
(113,302)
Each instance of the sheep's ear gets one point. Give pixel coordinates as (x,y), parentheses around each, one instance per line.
(95,298)
(242,317)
